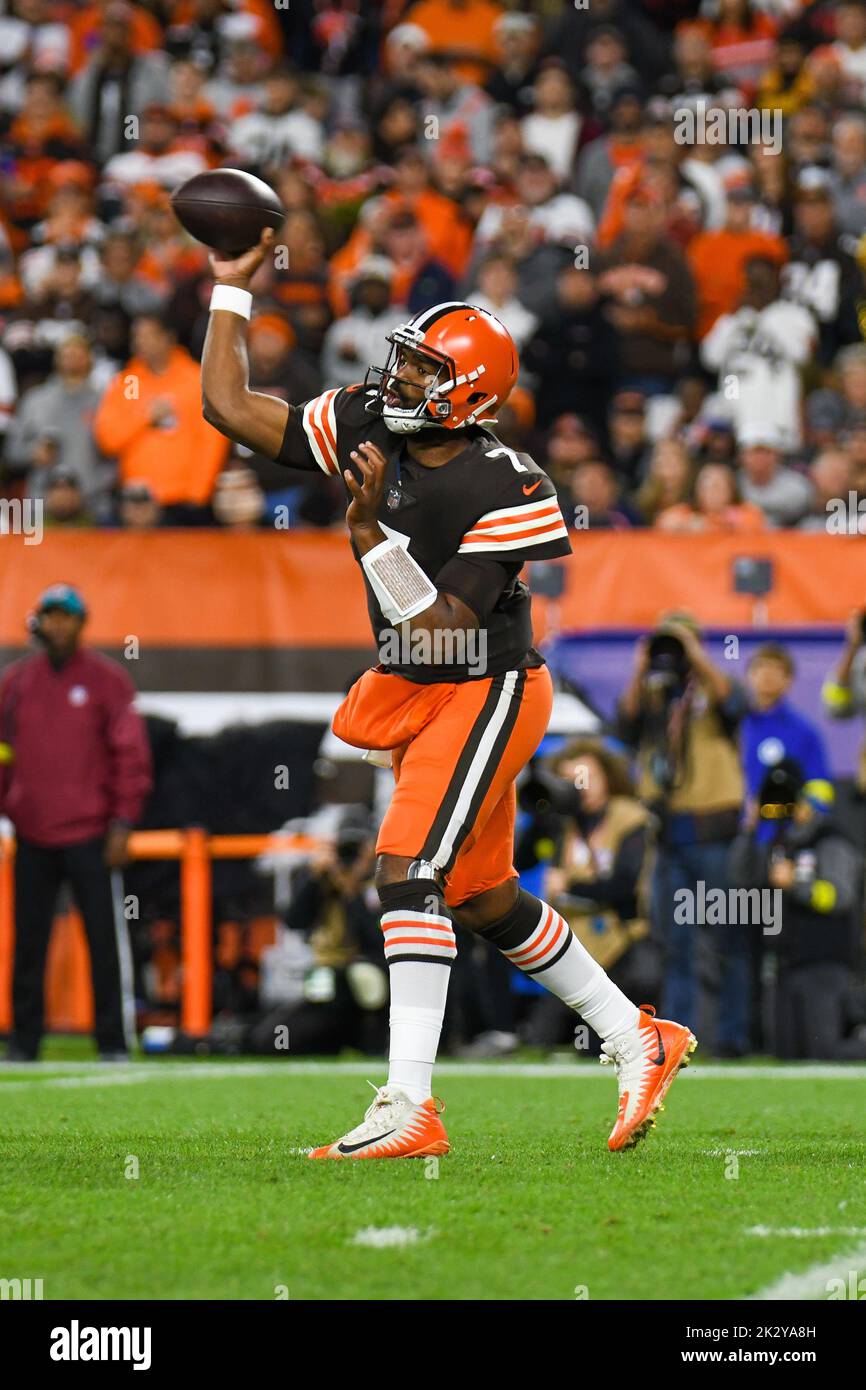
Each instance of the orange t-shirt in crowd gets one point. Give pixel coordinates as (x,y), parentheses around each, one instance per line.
(740,516)
(469,27)
(717,261)
(84,34)
(180,459)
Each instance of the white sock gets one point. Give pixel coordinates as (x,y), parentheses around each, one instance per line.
(573,976)
(419,988)
(418,994)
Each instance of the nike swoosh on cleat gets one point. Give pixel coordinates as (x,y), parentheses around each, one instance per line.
(659,1060)
(365,1143)
(529,490)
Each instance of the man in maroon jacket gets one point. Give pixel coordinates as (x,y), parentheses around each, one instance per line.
(74,773)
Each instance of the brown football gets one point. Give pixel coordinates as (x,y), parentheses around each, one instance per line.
(227,209)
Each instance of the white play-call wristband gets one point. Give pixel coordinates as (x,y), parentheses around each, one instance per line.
(402,588)
(229,297)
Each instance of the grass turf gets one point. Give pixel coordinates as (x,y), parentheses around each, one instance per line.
(528,1205)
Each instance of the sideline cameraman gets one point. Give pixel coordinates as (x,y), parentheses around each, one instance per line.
(681,713)
(597,839)
(819,874)
(345,992)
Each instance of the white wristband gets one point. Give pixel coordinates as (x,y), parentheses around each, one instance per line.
(229,297)
(400,585)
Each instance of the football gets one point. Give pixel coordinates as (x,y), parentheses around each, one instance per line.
(227,209)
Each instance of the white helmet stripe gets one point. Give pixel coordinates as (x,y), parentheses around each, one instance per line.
(420,320)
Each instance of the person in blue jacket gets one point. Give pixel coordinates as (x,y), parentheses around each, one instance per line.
(773,730)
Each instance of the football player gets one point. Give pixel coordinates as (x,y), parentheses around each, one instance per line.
(441,517)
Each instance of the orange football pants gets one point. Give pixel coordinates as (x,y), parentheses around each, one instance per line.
(456,749)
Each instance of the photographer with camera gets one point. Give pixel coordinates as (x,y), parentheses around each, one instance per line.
(343,993)
(843,693)
(596,838)
(681,714)
(819,1005)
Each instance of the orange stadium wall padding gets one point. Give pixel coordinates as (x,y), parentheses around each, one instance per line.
(273,589)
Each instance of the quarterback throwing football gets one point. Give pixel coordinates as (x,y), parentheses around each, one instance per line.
(442,517)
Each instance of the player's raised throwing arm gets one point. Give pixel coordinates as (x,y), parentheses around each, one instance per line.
(246,416)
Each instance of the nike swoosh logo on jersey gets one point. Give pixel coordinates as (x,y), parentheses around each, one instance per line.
(529,490)
(365,1143)
(659,1060)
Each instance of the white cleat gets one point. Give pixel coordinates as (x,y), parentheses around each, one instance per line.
(393,1127)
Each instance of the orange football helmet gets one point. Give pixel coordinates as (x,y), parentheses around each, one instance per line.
(473,364)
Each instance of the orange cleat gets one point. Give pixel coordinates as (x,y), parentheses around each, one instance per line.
(646,1059)
(393,1127)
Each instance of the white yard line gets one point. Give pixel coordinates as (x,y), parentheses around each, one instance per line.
(813,1282)
(803,1232)
(78,1074)
(389,1237)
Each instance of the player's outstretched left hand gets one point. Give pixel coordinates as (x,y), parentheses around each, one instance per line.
(371,463)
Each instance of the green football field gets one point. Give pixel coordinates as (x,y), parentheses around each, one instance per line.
(188,1180)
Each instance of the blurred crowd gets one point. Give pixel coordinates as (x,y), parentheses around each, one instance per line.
(687,310)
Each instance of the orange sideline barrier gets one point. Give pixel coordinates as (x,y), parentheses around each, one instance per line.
(68,990)
(270,589)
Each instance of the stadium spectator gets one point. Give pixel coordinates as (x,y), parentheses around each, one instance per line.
(742,38)
(787,84)
(717,257)
(359,338)
(607,68)
(453,107)
(496,291)
(820,274)
(138,509)
(574,352)
(119,280)
(116,83)
(461,31)
(238,501)
(629,445)
(774,729)
(64,504)
(419,278)
(512,82)
(150,420)
(60,301)
(554,215)
(783,495)
(554,126)
(758,352)
(843,693)
(847,175)
(53,425)
(668,482)
(599,162)
(812,864)
(832,476)
(280,128)
(850,46)
(234,86)
(681,713)
(159,157)
(74,777)
(595,503)
(694,80)
(653,297)
(716,506)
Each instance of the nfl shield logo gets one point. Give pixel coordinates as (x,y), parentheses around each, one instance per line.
(393,499)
